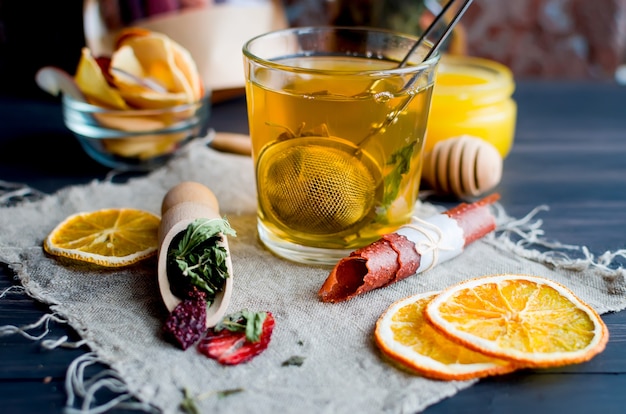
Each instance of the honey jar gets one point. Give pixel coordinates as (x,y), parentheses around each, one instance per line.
(473,96)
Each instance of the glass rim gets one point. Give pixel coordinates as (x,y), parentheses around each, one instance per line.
(80,106)
(274,64)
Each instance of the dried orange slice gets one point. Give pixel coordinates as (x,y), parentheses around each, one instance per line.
(531,320)
(111,237)
(404,335)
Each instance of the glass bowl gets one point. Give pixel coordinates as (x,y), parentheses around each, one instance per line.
(135,139)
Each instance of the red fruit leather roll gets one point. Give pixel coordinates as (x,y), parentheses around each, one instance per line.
(413,249)
(387,260)
(475,219)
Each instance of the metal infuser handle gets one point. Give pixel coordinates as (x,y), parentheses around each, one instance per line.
(421,41)
(431,30)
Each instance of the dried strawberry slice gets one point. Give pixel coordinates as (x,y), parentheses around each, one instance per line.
(232,348)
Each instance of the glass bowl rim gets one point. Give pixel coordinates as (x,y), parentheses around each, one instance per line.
(86,107)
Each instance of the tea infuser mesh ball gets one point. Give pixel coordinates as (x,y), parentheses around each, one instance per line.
(318,185)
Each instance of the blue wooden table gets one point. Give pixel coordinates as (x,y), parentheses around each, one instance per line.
(569,154)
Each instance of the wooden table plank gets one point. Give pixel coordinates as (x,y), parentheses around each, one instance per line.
(570,154)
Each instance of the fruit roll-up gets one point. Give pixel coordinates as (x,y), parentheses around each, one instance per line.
(414,248)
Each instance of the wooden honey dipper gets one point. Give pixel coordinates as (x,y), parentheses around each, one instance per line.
(464,166)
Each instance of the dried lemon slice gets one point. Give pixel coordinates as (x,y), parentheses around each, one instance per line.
(527,319)
(110,237)
(405,336)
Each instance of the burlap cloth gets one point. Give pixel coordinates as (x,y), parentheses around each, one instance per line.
(119,312)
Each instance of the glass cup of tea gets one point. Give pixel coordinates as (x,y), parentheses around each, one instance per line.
(337,126)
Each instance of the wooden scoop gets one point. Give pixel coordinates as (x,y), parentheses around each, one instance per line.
(181,205)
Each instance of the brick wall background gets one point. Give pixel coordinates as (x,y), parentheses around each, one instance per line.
(550,38)
(553,39)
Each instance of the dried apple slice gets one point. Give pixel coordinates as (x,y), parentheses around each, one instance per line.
(188,67)
(127,33)
(131,70)
(126,71)
(183,59)
(151,57)
(92,82)
(144,147)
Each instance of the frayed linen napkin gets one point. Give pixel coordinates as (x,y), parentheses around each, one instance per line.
(118,312)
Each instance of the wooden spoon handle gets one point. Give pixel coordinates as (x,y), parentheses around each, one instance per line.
(233,143)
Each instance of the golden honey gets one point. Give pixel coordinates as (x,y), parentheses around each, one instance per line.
(473,96)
